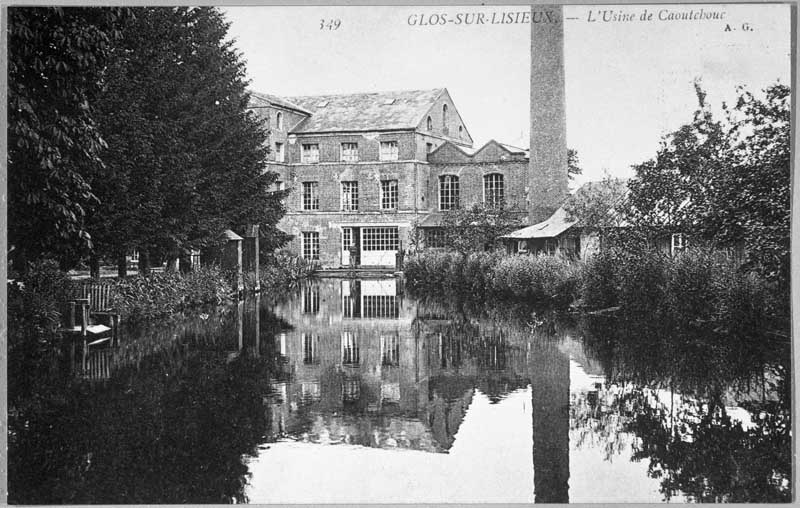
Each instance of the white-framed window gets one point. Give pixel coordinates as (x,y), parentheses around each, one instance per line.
(389,151)
(280,156)
(310,153)
(310,196)
(390,350)
(310,348)
(347,238)
(349,152)
(349,196)
(448,192)
(374,239)
(279,121)
(350,349)
(522,246)
(678,243)
(381,306)
(493,189)
(279,186)
(311,297)
(310,247)
(388,194)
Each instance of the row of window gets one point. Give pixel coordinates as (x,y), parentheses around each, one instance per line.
(373,239)
(493,193)
(349,196)
(309,152)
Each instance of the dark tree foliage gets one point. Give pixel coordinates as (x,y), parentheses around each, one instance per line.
(725,181)
(573,164)
(56,58)
(185,157)
(477,228)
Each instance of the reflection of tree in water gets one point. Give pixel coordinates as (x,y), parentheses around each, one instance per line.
(170,425)
(694,444)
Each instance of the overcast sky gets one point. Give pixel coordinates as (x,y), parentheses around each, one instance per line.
(627,82)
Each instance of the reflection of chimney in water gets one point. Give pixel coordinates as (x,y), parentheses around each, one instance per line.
(549,370)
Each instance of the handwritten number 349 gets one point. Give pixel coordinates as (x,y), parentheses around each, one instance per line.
(330,24)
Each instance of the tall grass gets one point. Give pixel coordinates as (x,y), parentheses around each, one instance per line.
(550,280)
(701,286)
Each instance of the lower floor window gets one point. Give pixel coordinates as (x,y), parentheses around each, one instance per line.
(434,238)
(311,245)
(382,239)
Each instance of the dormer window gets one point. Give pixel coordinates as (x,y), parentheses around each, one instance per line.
(389,102)
(322,104)
(279,121)
(430,124)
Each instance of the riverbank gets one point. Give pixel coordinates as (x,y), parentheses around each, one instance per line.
(703,287)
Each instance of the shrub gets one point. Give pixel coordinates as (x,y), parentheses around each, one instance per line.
(162,294)
(35,304)
(284,271)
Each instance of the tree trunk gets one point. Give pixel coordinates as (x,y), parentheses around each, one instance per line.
(144,262)
(94,268)
(122,266)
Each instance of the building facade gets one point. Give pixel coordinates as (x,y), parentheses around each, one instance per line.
(363,170)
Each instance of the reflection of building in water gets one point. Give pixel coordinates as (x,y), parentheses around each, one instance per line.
(360,368)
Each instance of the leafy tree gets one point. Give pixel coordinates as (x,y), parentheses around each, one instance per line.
(478,228)
(185,156)
(725,181)
(56,60)
(573,164)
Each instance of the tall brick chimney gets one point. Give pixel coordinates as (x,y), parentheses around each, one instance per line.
(547,171)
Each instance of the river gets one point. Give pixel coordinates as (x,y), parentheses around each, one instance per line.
(353,391)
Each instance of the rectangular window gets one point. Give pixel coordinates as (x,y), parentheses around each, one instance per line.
(381,306)
(493,189)
(350,196)
(388,194)
(390,350)
(310,348)
(349,152)
(310,245)
(310,300)
(375,239)
(310,196)
(350,349)
(448,192)
(434,238)
(310,154)
(279,153)
(389,151)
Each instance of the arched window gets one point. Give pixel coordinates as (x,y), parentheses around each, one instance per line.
(444,116)
(279,121)
(448,192)
(493,189)
(430,124)
(460,131)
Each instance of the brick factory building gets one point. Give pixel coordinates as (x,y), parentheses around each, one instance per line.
(365,169)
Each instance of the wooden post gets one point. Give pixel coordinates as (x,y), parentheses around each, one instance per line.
(94,267)
(251,254)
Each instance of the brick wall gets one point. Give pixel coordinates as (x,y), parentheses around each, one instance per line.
(470,180)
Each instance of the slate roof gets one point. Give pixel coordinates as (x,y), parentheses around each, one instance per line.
(381,111)
(552,227)
(559,221)
(262,100)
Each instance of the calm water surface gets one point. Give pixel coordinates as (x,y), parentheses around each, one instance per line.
(352,391)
